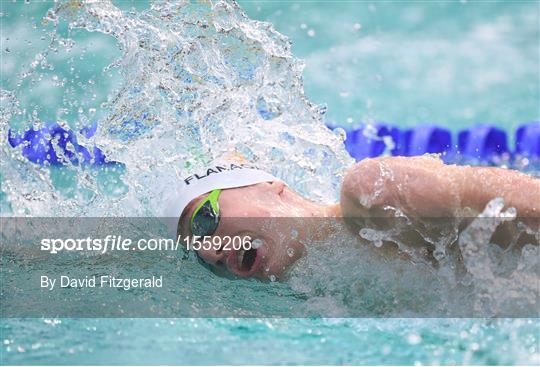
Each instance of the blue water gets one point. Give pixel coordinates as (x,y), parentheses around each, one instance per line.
(453,63)
(293,341)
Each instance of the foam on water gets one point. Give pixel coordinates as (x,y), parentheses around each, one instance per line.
(443,273)
(197,81)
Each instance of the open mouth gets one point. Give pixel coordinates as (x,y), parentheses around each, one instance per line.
(245,263)
(246,259)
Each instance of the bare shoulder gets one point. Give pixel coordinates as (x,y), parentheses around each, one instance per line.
(402,182)
(371,167)
(369,173)
(425,186)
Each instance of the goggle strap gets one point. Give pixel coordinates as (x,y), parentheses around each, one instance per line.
(213,198)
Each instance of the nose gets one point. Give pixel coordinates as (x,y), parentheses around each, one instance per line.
(212,256)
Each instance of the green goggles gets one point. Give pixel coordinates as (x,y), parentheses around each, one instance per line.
(205,218)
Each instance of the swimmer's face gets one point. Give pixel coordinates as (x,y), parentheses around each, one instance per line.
(242,211)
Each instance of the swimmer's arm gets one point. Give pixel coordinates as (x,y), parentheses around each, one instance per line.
(426,187)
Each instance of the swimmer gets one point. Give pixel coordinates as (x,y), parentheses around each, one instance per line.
(416,187)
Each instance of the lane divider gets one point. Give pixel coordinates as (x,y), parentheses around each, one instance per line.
(528,140)
(54,145)
(482,142)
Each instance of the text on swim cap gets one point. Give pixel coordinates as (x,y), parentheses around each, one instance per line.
(216,169)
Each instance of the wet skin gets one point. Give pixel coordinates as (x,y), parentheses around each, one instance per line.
(419,187)
(243,211)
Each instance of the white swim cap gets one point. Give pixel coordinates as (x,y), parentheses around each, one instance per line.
(223,174)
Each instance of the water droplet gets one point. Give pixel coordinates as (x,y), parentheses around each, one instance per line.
(439,254)
(290,252)
(272,278)
(311,33)
(269,107)
(322,109)
(374,236)
(256,243)
(340,133)
(414,339)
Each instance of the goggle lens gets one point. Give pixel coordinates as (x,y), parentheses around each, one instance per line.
(205,221)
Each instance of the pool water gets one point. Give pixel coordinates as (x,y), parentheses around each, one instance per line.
(452,63)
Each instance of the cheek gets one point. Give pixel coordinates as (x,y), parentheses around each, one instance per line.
(281,259)
(249,207)
(293,250)
(234,205)
(283,251)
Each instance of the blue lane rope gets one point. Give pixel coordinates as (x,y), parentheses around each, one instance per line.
(482,142)
(425,139)
(38,146)
(528,140)
(370,141)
